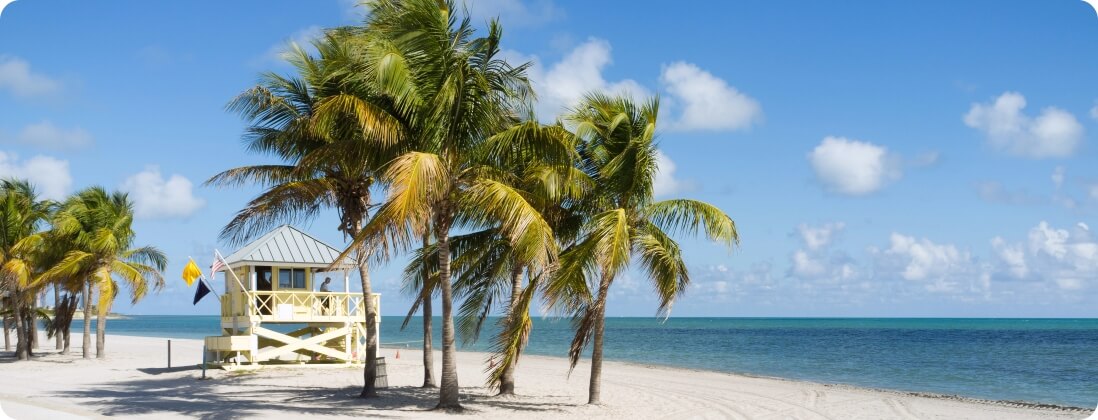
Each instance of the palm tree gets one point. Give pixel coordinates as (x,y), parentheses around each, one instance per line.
(329,162)
(22,215)
(99,224)
(625,225)
(457,95)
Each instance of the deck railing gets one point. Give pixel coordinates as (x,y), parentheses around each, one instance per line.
(286,306)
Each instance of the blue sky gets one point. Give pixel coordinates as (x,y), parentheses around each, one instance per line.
(880,158)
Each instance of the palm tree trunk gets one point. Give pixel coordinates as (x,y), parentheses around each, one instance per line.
(7,334)
(369,373)
(101,330)
(428,334)
(87,320)
(449,393)
(22,346)
(59,341)
(32,325)
(507,379)
(594,392)
(428,351)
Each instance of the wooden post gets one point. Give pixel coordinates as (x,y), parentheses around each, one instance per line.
(203,361)
(169,353)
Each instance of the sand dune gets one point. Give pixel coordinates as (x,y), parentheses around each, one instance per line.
(134,382)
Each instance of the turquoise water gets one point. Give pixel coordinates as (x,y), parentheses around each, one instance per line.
(1038,360)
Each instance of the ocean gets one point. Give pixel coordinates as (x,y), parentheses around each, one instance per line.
(1051,361)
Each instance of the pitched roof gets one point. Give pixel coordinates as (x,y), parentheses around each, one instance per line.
(287,245)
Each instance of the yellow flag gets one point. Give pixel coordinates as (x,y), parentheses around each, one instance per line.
(191,272)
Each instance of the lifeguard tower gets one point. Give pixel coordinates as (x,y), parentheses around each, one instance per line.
(272,312)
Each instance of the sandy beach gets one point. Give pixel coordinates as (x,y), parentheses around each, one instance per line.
(134,381)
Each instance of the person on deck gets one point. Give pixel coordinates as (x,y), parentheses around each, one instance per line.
(324,288)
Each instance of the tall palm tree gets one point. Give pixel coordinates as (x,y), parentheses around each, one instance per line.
(625,225)
(22,215)
(457,94)
(328,161)
(100,226)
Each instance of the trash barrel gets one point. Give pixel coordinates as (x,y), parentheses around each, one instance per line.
(382,379)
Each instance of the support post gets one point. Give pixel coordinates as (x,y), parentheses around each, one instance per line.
(169,353)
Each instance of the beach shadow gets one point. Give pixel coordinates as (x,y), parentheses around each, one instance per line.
(158,371)
(231,396)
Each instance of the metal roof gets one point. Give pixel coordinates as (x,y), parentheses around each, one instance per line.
(287,245)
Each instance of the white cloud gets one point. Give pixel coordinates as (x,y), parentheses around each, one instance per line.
(1053,133)
(708,102)
(157,198)
(16,77)
(937,267)
(853,167)
(48,136)
(816,262)
(816,237)
(515,12)
(665,183)
(1066,259)
(1013,257)
(698,100)
(50,176)
(563,84)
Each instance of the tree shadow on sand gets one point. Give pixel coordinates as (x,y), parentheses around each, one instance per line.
(235,396)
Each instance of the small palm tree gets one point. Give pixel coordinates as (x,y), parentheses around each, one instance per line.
(22,215)
(624,224)
(99,225)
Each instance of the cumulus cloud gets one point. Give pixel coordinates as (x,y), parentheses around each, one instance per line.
(158,198)
(708,103)
(50,176)
(16,77)
(1053,133)
(698,100)
(46,135)
(853,167)
(938,267)
(816,261)
(562,85)
(665,183)
(816,237)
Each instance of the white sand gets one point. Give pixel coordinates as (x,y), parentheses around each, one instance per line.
(134,382)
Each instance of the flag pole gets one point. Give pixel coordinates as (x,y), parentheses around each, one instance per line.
(202,278)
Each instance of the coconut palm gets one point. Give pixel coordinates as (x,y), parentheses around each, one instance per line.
(22,215)
(458,96)
(99,225)
(624,224)
(328,161)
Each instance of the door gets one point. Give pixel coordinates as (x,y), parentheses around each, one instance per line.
(264,283)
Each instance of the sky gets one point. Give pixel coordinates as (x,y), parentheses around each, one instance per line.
(880,159)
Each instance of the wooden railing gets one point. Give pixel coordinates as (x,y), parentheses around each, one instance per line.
(295,306)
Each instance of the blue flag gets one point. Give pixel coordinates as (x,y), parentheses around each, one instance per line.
(201,292)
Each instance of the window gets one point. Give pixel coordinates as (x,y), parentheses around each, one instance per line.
(291,278)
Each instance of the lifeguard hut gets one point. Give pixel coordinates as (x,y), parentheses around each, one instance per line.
(272,312)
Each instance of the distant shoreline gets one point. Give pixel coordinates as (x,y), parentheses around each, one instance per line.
(79,316)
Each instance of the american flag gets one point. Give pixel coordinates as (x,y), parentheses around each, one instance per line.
(217,266)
